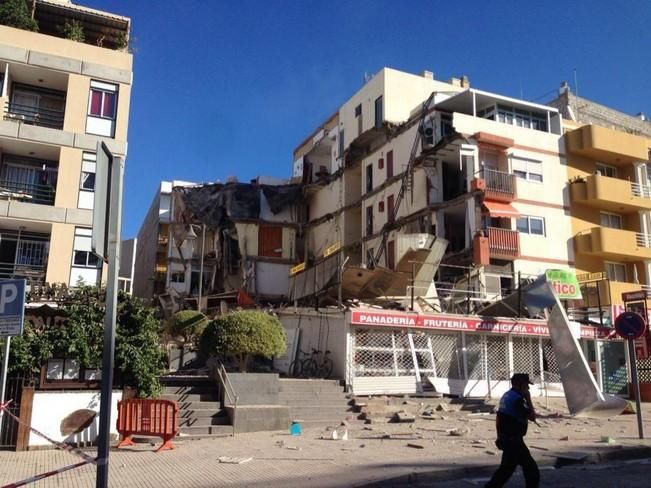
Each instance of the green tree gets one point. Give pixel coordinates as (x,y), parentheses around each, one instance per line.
(187,324)
(73,30)
(139,357)
(243,334)
(15,13)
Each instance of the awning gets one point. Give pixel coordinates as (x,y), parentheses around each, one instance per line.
(499,209)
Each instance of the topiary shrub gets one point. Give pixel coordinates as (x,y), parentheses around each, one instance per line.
(188,324)
(243,334)
(14,13)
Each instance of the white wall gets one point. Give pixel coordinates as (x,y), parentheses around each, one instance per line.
(51,408)
(322,331)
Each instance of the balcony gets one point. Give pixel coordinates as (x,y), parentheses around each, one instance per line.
(28,179)
(497,185)
(496,243)
(34,115)
(616,244)
(607,145)
(23,255)
(613,194)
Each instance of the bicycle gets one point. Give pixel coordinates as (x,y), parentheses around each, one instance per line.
(312,368)
(296,366)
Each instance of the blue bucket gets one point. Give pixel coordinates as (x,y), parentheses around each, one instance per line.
(295,428)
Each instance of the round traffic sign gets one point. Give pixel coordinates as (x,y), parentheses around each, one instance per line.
(630,325)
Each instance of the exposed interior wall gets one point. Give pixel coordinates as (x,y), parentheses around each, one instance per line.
(146,246)
(321,331)
(60,255)
(51,408)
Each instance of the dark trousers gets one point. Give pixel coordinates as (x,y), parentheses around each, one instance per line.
(515,453)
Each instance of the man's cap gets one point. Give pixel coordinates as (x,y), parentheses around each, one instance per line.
(521,378)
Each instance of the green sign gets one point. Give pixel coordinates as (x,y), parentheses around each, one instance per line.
(564,284)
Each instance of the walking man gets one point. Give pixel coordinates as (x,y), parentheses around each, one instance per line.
(514,412)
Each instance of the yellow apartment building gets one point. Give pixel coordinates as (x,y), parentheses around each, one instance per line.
(58,98)
(610,195)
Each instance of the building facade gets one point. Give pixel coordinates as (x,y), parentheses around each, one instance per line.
(58,98)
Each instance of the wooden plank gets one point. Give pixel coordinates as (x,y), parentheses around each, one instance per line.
(26,403)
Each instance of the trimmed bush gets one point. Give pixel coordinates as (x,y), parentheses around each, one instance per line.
(188,324)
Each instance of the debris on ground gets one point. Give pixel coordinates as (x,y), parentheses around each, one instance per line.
(415,446)
(458,432)
(442,407)
(629,409)
(404,416)
(606,439)
(234,460)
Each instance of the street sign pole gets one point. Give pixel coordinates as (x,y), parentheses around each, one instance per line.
(114,214)
(636,385)
(5,368)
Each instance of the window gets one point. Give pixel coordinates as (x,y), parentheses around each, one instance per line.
(85,264)
(102,109)
(87,181)
(341,143)
(102,100)
(616,271)
(391,254)
(380,206)
(527,169)
(607,219)
(531,225)
(360,120)
(369,220)
(390,208)
(369,178)
(33,177)
(389,164)
(517,116)
(178,277)
(606,170)
(379,112)
(380,163)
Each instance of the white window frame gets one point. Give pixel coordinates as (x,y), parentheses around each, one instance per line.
(604,169)
(86,196)
(82,244)
(529,219)
(529,165)
(608,274)
(610,216)
(103,88)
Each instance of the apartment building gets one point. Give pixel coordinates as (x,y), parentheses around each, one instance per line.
(486,176)
(204,243)
(58,98)
(610,195)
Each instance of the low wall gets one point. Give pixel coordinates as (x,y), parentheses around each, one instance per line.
(254,388)
(58,414)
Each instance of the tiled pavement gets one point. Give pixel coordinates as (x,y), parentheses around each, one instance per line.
(280,460)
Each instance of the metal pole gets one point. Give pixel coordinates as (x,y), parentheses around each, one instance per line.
(116,173)
(203,251)
(413,283)
(5,368)
(636,385)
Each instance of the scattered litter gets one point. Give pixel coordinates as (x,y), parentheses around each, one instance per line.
(477,442)
(477,414)
(234,460)
(367,428)
(536,431)
(442,407)
(415,446)
(362,445)
(629,409)
(293,448)
(490,453)
(607,439)
(565,438)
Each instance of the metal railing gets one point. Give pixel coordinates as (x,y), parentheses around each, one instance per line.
(34,274)
(643,240)
(42,194)
(503,242)
(641,191)
(229,390)
(498,181)
(29,114)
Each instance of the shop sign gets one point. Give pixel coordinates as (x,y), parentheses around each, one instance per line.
(297,269)
(564,283)
(463,323)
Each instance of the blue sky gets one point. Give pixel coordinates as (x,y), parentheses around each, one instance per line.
(231,87)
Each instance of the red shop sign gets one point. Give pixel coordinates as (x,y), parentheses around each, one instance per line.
(462,323)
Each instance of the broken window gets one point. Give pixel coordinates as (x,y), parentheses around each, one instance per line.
(369,178)
(389,164)
(379,112)
(369,220)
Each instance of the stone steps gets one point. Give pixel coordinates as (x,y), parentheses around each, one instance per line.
(204,421)
(190,397)
(223,430)
(317,403)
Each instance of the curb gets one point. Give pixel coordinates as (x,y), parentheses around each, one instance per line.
(615,453)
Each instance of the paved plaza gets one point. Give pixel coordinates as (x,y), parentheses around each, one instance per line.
(373,453)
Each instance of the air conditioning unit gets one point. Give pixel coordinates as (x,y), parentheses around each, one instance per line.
(427,133)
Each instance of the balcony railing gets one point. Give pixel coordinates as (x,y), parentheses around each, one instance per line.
(500,186)
(34,274)
(641,191)
(643,240)
(503,242)
(28,114)
(42,194)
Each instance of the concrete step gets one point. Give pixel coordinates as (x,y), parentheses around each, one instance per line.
(197,437)
(211,430)
(203,421)
(313,395)
(179,380)
(189,389)
(214,406)
(201,413)
(309,385)
(191,397)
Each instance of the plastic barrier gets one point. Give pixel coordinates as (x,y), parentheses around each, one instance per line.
(148,417)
